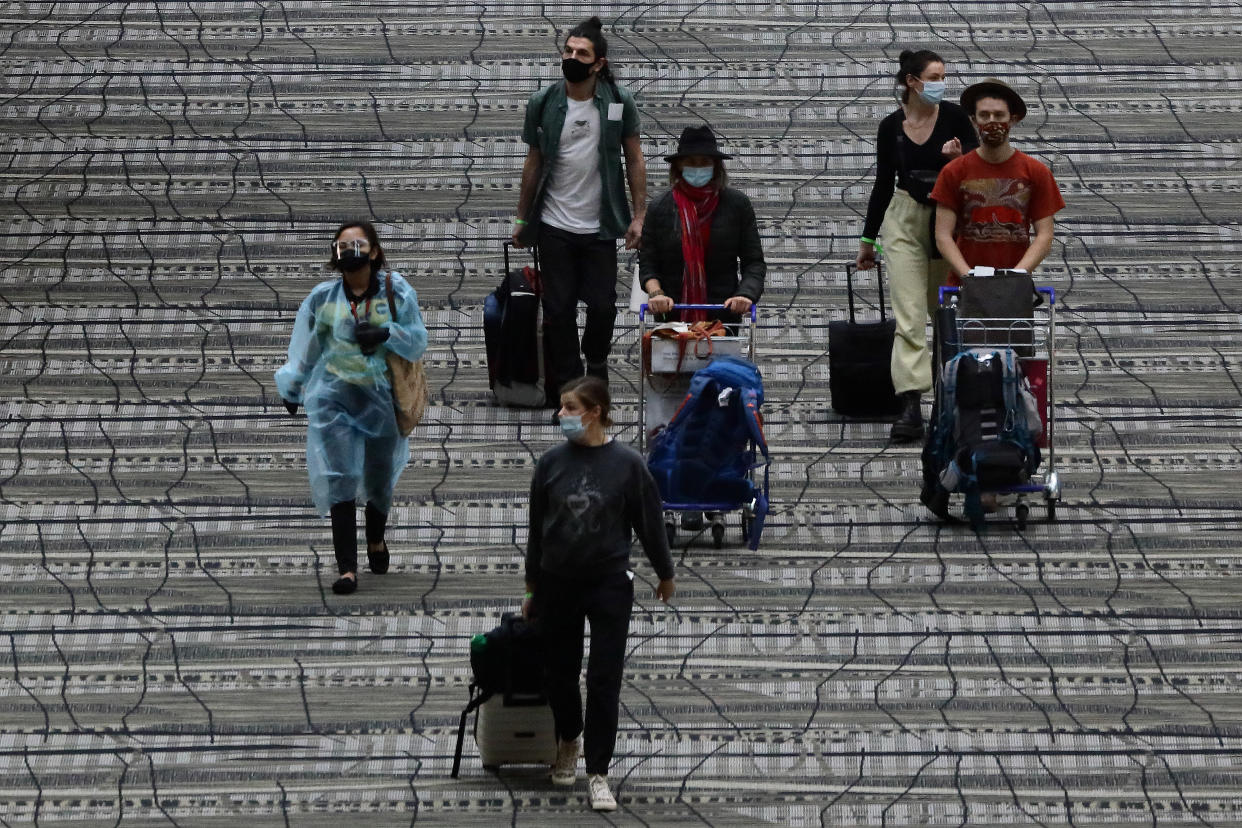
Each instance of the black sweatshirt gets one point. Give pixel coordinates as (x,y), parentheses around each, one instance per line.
(584,501)
(913,164)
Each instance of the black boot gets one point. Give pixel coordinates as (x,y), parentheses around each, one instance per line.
(598,370)
(909,425)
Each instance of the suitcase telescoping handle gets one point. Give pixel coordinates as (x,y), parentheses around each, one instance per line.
(879,282)
(534,252)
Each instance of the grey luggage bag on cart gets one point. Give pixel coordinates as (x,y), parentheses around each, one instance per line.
(513,722)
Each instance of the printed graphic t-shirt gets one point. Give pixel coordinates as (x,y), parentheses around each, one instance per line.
(996,205)
(572,202)
(585,501)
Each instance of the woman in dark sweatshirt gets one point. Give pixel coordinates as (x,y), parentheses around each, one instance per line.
(699,235)
(587,496)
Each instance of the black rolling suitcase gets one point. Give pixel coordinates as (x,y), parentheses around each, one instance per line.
(513,333)
(859,356)
(513,725)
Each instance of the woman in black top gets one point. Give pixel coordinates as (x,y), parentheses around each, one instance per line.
(912,146)
(587,495)
(698,234)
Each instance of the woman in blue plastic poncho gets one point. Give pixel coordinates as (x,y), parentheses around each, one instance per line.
(337,369)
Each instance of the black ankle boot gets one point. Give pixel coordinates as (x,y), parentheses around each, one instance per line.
(909,425)
(598,370)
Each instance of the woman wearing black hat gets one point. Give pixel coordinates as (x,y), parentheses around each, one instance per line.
(912,146)
(700,235)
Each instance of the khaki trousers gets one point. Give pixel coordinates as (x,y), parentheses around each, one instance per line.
(914,281)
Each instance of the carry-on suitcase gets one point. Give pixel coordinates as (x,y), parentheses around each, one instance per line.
(859,357)
(515,733)
(513,334)
(513,722)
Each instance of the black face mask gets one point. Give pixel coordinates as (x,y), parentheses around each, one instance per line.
(352,260)
(575,71)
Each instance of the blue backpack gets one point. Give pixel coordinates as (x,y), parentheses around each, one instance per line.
(705,454)
(983,433)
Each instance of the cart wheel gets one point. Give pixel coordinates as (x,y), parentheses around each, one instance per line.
(1052,511)
(670,529)
(718,532)
(1021,512)
(745,527)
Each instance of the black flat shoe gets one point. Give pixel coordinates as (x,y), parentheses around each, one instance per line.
(378,561)
(344,586)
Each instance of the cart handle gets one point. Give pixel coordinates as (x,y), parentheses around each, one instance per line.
(952,290)
(754,308)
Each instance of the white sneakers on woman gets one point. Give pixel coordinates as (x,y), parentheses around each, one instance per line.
(601,797)
(565,771)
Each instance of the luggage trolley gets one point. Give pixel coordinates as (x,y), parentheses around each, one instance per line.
(664,381)
(1034,341)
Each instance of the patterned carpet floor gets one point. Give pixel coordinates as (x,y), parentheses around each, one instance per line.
(169,651)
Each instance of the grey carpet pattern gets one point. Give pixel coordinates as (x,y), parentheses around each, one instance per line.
(170,653)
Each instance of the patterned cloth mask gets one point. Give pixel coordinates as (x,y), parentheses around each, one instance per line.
(994,133)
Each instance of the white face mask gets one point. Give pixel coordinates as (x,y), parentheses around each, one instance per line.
(572,426)
(697,176)
(932,92)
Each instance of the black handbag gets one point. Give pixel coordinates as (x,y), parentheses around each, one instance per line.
(859,358)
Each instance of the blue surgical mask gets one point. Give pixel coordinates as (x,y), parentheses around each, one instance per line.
(932,92)
(697,176)
(571,426)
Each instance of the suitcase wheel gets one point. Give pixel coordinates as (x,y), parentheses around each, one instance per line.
(1021,512)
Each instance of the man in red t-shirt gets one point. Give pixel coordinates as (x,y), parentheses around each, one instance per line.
(987,200)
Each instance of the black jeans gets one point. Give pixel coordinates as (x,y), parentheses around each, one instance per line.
(576,267)
(560,608)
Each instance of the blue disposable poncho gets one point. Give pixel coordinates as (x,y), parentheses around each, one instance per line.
(354,450)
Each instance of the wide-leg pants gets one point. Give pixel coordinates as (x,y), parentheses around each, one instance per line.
(914,279)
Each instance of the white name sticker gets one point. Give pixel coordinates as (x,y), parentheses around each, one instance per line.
(615,110)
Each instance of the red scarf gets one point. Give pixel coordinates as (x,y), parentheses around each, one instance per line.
(695,206)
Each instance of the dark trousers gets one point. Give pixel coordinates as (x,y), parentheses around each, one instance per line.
(561,607)
(345,533)
(576,267)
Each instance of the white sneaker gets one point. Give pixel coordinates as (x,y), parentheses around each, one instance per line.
(601,798)
(565,771)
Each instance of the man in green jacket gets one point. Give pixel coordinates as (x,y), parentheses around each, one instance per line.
(572,202)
